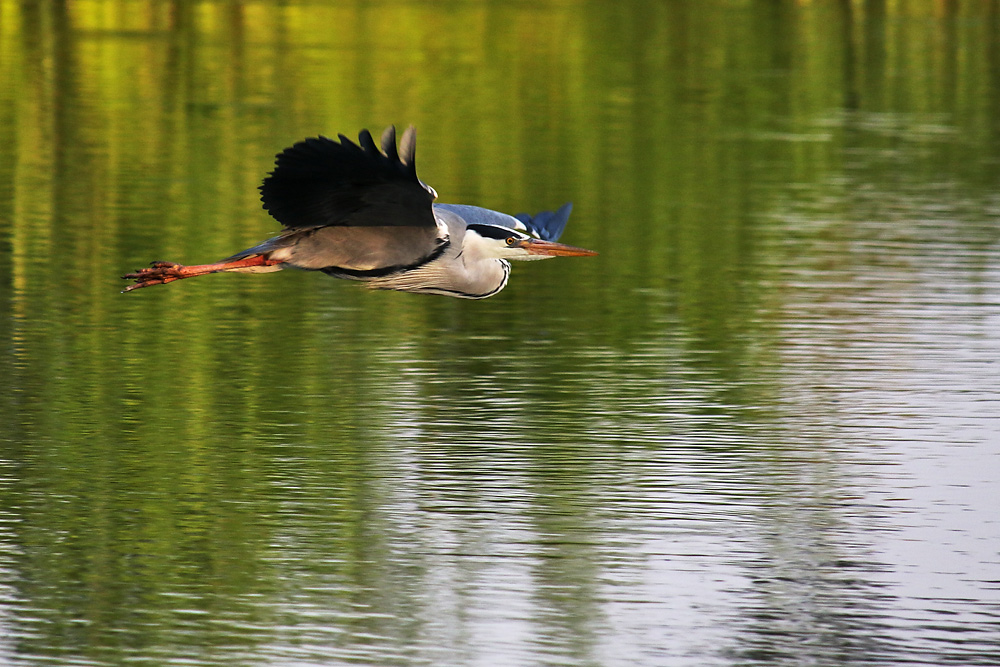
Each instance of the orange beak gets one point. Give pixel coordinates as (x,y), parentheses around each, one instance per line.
(549,248)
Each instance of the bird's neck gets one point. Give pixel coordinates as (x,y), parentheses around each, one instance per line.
(485,278)
(471,279)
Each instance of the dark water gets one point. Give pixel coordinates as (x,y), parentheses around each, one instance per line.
(762,428)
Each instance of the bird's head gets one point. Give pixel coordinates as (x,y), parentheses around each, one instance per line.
(505,243)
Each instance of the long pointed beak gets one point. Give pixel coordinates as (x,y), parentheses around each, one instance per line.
(549,248)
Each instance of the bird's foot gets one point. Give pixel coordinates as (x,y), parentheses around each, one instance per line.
(158,273)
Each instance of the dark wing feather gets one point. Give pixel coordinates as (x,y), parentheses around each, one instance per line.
(321,182)
(547,225)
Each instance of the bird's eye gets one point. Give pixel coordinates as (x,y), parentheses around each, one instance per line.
(511,240)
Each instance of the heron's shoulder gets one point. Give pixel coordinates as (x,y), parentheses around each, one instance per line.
(475,215)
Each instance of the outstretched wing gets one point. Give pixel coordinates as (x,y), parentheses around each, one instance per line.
(547,225)
(320,182)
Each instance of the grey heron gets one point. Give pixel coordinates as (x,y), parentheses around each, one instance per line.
(356,212)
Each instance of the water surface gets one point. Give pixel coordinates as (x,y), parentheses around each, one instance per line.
(760,429)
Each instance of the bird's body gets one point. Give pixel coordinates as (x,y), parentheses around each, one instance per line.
(358,213)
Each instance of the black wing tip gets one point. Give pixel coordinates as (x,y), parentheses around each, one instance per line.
(322,144)
(319,152)
(338,166)
(408,148)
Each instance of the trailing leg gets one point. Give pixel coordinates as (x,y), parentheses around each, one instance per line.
(161,273)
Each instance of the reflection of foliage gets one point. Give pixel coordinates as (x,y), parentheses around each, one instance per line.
(164,443)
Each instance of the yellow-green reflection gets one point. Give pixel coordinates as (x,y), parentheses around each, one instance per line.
(200,470)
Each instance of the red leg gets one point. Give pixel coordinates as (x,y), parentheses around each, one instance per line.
(161,273)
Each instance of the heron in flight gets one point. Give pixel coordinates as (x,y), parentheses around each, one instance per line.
(356,212)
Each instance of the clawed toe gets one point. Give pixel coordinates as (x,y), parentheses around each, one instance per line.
(158,273)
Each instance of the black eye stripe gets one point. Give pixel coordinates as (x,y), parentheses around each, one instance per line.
(492,232)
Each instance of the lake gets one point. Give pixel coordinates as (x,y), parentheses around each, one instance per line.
(761,428)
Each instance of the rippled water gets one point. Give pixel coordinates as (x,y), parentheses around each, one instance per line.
(762,428)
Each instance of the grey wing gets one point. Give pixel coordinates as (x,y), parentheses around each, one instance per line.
(320,182)
(474,215)
(547,225)
(354,251)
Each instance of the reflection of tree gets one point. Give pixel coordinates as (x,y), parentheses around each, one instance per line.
(814,589)
(262,451)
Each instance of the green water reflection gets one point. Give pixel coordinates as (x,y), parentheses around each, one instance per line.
(287,467)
